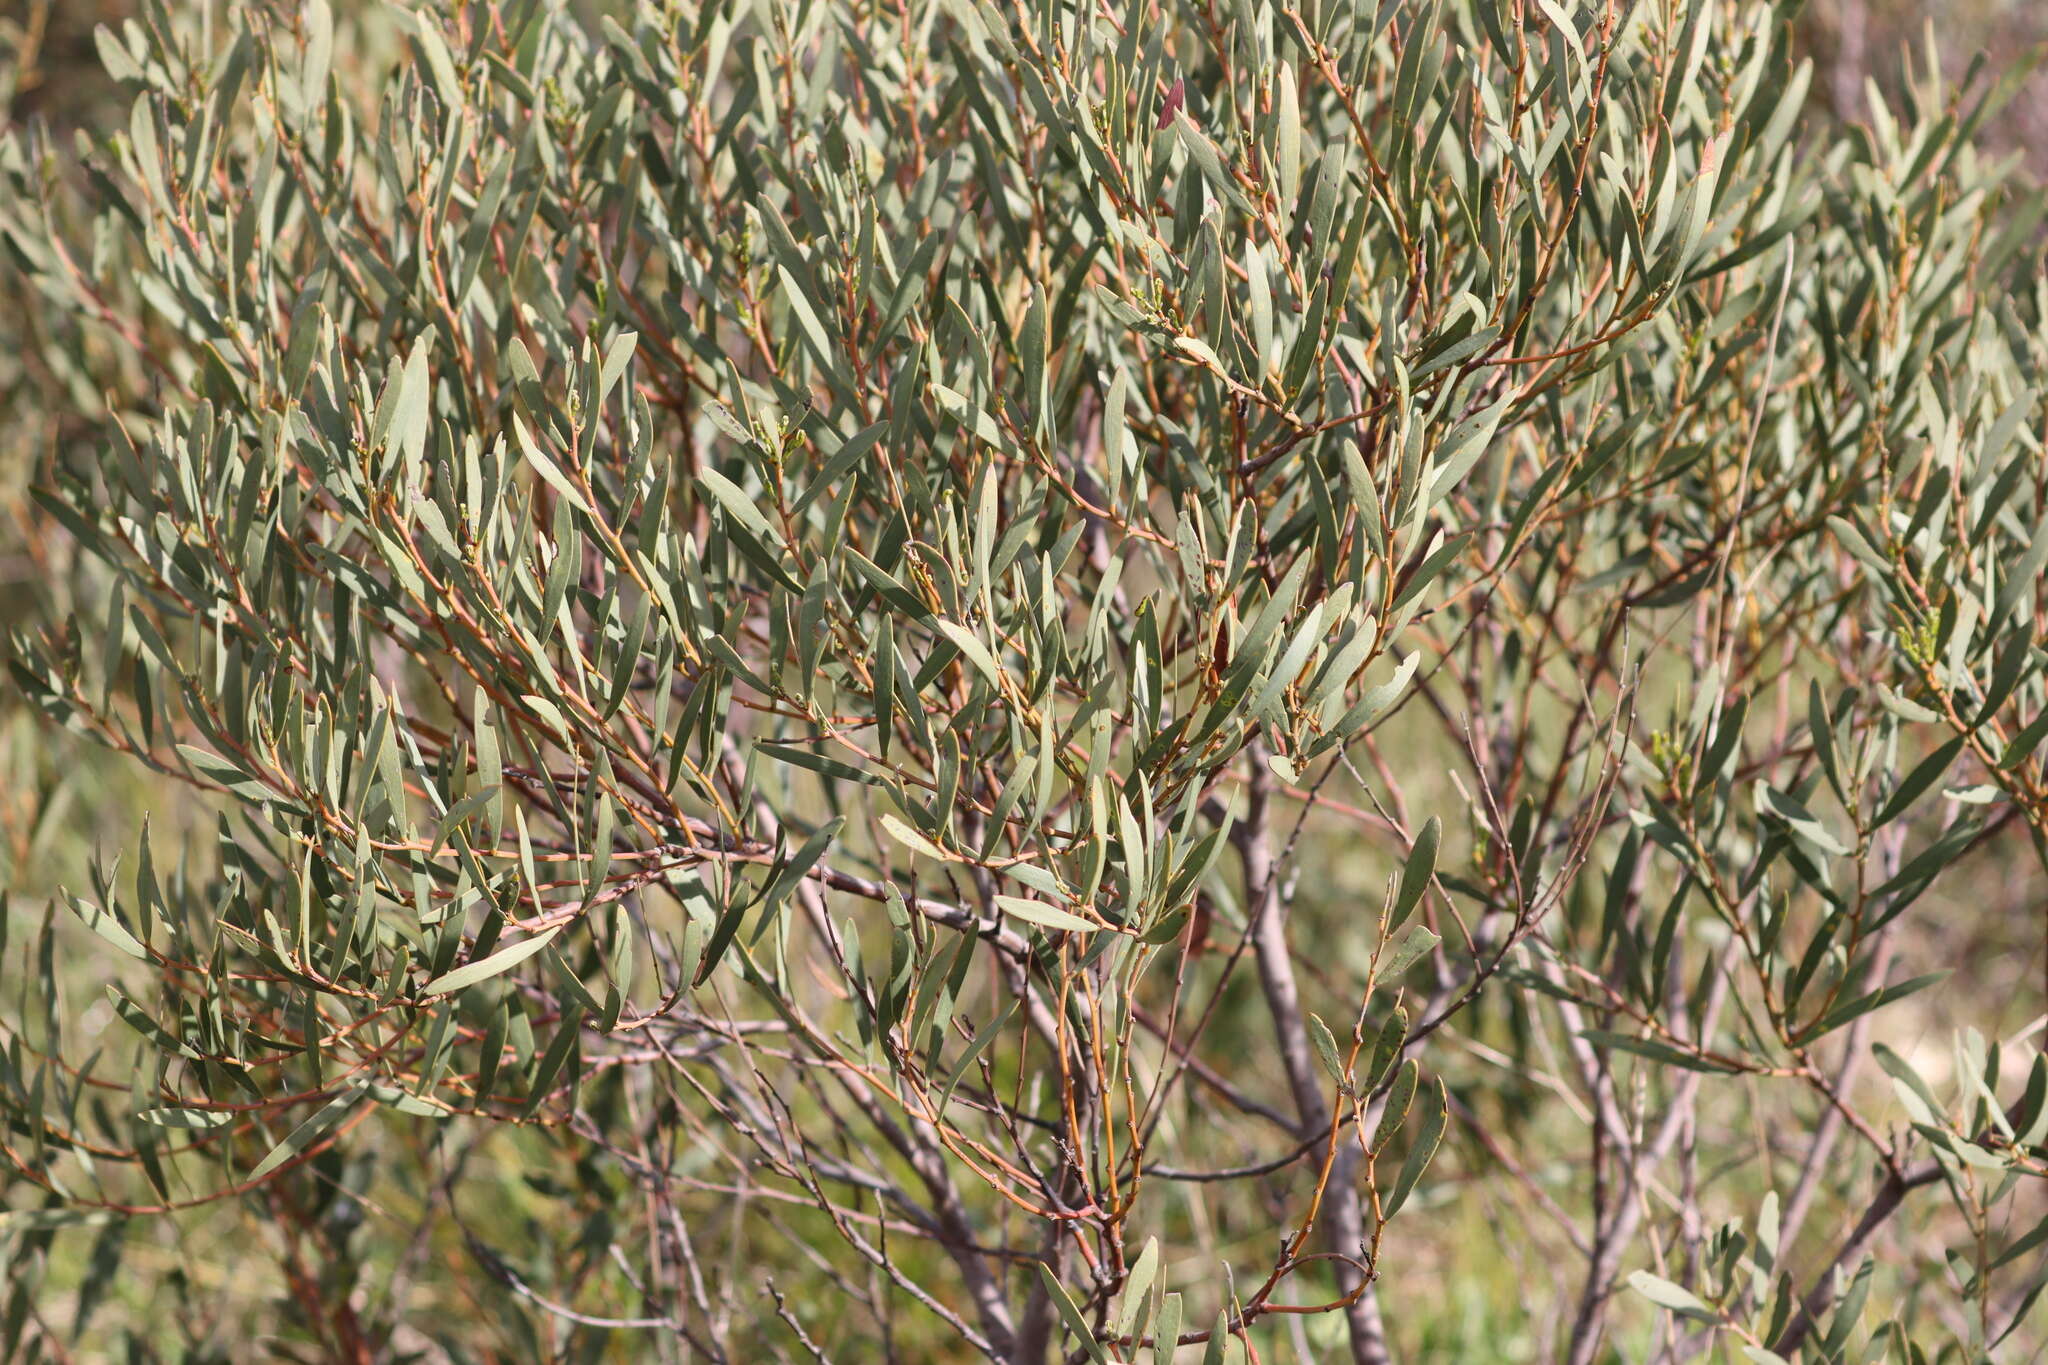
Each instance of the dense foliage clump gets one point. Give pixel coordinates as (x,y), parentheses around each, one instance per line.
(925,679)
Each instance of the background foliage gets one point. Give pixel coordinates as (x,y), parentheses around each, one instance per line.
(822,678)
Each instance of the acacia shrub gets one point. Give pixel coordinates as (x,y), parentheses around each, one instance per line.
(786,608)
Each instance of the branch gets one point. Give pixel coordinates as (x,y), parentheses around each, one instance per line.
(1297,1057)
(1882,1206)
